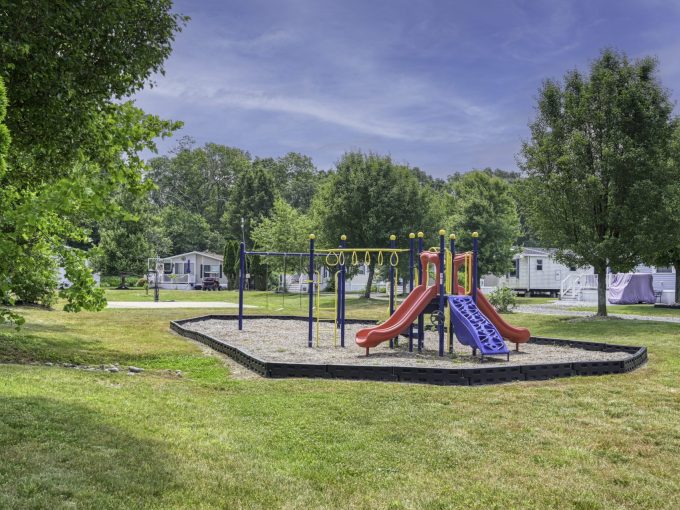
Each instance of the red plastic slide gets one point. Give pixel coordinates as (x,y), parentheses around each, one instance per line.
(511,333)
(408,310)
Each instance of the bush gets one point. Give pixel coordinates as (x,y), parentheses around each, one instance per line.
(503,299)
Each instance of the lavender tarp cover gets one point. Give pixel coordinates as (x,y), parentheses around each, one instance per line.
(631,288)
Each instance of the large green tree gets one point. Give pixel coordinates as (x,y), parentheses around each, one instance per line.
(484,203)
(198,179)
(368,197)
(189,231)
(595,163)
(65,62)
(285,230)
(251,200)
(665,225)
(295,178)
(126,242)
(75,140)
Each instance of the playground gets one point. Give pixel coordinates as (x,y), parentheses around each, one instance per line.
(444,331)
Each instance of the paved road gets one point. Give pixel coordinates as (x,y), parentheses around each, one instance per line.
(174,304)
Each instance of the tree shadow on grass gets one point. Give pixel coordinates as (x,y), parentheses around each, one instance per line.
(25,346)
(56,454)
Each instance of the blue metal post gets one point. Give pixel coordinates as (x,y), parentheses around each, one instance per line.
(393,244)
(421,317)
(310,291)
(411,238)
(475,250)
(241,281)
(442,289)
(341,284)
(452,249)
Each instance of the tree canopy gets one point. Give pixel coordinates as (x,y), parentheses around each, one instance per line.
(368,198)
(66,65)
(484,203)
(595,162)
(76,142)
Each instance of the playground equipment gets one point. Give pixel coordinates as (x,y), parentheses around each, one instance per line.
(463,310)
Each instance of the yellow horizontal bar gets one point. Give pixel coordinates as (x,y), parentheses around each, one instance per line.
(362,250)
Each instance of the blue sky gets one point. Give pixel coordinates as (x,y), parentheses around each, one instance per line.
(443,85)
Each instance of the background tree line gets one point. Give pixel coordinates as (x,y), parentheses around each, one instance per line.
(206,197)
(599,180)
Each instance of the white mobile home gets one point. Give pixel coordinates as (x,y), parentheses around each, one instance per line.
(537,272)
(186,271)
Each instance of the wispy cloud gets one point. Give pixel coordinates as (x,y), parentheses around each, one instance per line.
(440,84)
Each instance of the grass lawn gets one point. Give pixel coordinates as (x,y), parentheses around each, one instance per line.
(78,439)
(647,310)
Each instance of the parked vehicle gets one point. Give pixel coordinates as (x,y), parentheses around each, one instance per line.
(210,283)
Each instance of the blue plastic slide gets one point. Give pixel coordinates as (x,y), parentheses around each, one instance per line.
(473,329)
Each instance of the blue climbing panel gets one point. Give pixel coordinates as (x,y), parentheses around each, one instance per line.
(473,328)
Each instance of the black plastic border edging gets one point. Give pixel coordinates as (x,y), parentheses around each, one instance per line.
(426,375)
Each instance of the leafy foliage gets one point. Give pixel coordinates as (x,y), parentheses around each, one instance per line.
(286,230)
(199,180)
(295,178)
(188,231)
(595,163)
(127,242)
(503,299)
(664,227)
(368,198)
(485,204)
(75,143)
(64,62)
(252,200)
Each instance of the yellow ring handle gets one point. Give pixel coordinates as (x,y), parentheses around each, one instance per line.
(355,259)
(394,259)
(328,259)
(380,259)
(341,258)
(367,258)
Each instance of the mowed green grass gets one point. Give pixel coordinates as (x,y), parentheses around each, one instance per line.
(77,439)
(645,310)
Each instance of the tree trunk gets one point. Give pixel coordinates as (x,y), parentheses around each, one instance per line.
(602,291)
(369,282)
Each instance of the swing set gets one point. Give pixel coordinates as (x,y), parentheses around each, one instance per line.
(332,258)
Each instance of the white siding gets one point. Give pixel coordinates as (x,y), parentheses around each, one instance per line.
(548,278)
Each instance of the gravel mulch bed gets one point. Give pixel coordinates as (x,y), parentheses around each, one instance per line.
(286,341)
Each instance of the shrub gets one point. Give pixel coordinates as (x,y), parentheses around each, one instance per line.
(503,299)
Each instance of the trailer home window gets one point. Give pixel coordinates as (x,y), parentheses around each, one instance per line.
(539,264)
(667,269)
(211,270)
(515,272)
